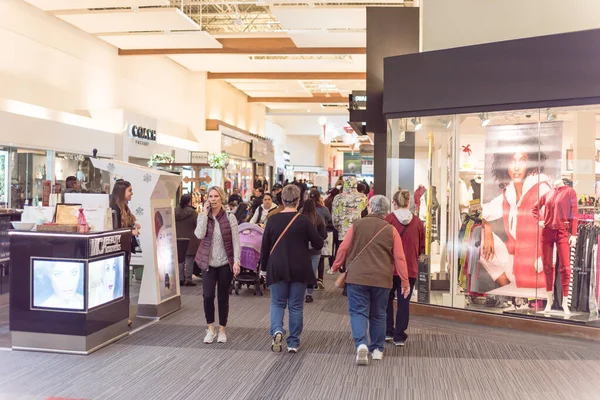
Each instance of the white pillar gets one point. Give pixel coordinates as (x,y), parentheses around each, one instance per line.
(584,153)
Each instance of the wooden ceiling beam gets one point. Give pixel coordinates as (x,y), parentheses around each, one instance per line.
(289,75)
(314,99)
(256,46)
(247,51)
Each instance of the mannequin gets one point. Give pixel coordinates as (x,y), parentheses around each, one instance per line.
(559,227)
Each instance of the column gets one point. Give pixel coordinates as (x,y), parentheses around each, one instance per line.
(584,153)
(391,31)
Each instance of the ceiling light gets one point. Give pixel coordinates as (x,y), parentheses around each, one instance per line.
(550,116)
(308,110)
(417,123)
(485,120)
(445,122)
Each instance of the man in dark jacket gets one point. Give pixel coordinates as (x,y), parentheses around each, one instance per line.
(185,224)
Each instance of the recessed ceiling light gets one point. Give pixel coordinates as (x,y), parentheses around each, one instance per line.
(417,123)
(485,120)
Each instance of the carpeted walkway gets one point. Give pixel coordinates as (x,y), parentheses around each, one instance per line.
(442,360)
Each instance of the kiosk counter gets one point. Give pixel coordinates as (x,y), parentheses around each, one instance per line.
(69,292)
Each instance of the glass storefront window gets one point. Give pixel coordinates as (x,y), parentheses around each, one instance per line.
(511,222)
(22,172)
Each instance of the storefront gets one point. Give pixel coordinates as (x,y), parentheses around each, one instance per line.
(502,143)
(39,145)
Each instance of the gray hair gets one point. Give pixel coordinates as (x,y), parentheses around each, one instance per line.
(379,205)
(290,195)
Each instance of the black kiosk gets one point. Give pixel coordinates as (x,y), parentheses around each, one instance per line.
(69,292)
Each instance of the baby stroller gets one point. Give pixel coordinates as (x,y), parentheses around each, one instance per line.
(250,242)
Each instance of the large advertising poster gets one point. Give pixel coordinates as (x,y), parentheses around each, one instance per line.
(105,282)
(165,252)
(521,164)
(58,284)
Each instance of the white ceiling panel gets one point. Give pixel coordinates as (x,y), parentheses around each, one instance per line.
(321,18)
(329,39)
(145,20)
(55,5)
(243,63)
(267,85)
(281,93)
(161,40)
(300,108)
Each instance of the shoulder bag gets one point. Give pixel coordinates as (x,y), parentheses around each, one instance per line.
(341,280)
(283,233)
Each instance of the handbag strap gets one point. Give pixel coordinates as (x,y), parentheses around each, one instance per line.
(367,245)
(283,233)
(403,230)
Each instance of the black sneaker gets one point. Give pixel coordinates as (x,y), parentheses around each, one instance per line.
(190,283)
(276,343)
(309,298)
(399,343)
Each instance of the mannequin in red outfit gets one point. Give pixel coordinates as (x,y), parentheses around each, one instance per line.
(559,227)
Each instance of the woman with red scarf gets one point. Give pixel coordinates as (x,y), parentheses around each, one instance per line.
(218,257)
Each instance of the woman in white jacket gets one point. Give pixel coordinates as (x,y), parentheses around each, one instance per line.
(261,213)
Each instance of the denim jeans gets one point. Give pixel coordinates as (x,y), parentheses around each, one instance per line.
(290,294)
(402,314)
(367,307)
(315,264)
(186,269)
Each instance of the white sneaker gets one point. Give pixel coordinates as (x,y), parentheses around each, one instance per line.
(292,350)
(377,355)
(222,338)
(389,339)
(362,355)
(210,336)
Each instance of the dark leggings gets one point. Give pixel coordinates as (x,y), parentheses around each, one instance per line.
(321,268)
(216,279)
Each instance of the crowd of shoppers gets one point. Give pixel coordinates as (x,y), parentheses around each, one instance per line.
(376,248)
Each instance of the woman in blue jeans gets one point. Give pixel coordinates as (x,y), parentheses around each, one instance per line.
(310,210)
(373,251)
(286,261)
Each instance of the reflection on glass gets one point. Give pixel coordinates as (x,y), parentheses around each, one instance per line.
(58,284)
(105,282)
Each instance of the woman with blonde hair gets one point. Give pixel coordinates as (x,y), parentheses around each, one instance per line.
(412,233)
(218,257)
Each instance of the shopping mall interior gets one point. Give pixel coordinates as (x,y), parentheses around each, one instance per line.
(486,112)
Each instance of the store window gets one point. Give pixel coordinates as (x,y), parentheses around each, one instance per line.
(91,179)
(511,222)
(23,171)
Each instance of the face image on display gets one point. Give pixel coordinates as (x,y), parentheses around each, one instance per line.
(58,284)
(522,162)
(164,252)
(105,282)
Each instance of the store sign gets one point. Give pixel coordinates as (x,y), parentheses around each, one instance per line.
(423,283)
(139,132)
(359,100)
(105,245)
(199,157)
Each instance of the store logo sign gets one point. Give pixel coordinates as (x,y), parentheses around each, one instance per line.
(139,132)
(105,245)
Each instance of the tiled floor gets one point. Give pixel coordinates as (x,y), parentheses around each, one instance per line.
(442,360)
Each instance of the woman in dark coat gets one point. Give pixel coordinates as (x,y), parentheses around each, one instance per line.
(185,224)
(286,260)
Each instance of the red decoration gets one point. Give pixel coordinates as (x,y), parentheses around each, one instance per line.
(467,149)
